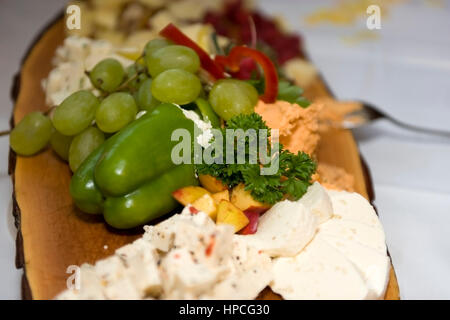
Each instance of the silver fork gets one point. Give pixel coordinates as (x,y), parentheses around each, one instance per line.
(369,113)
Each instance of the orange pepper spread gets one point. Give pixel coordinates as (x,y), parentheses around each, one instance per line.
(298,127)
(299,131)
(332,177)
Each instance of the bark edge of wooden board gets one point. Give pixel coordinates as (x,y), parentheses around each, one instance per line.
(52,234)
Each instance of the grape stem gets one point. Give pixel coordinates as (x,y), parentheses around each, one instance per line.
(138,73)
(127,82)
(49,110)
(254,36)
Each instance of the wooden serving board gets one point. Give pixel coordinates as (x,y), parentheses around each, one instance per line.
(52,233)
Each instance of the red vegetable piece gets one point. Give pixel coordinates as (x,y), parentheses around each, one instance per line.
(193,210)
(253,217)
(233,62)
(210,248)
(171,32)
(246,69)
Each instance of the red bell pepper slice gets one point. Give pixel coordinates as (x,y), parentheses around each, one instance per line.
(238,53)
(174,34)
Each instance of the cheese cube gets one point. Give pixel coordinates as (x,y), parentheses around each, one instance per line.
(90,284)
(141,261)
(184,277)
(161,236)
(115,281)
(250,272)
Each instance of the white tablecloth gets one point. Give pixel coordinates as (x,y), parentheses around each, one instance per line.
(406,71)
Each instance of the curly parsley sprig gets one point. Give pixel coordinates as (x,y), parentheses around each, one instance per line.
(291,181)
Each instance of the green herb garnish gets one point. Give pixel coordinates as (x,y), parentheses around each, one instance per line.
(286,92)
(291,180)
(291,93)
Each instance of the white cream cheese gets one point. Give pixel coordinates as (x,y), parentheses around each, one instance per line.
(205,135)
(319,272)
(346,259)
(285,229)
(250,272)
(318,201)
(188,256)
(72,59)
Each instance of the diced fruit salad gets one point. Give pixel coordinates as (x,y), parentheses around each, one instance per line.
(239,210)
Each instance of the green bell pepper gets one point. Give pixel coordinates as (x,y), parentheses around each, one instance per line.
(149,201)
(83,189)
(131,176)
(141,152)
(85,193)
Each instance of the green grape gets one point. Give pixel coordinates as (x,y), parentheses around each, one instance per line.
(31,134)
(176,86)
(155,44)
(61,144)
(144,98)
(75,113)
(232,97)
(172,57)
(82,146)
(131,72)
(115,112)
(107,75)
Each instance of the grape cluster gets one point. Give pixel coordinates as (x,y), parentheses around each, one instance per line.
(164,73)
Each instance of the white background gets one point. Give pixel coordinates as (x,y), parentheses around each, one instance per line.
(406,72)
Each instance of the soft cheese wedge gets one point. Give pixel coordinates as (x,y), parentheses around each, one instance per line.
(327,245)
(319,272)
(373,265)
(318,201)
(284,230)
(353,206)
(371,237)
(347,248)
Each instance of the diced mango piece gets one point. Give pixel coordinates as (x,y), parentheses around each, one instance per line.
(242,199)
(222,195)
(129,54)
(189,194)
(227,213)
(206,204)
(211,184)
